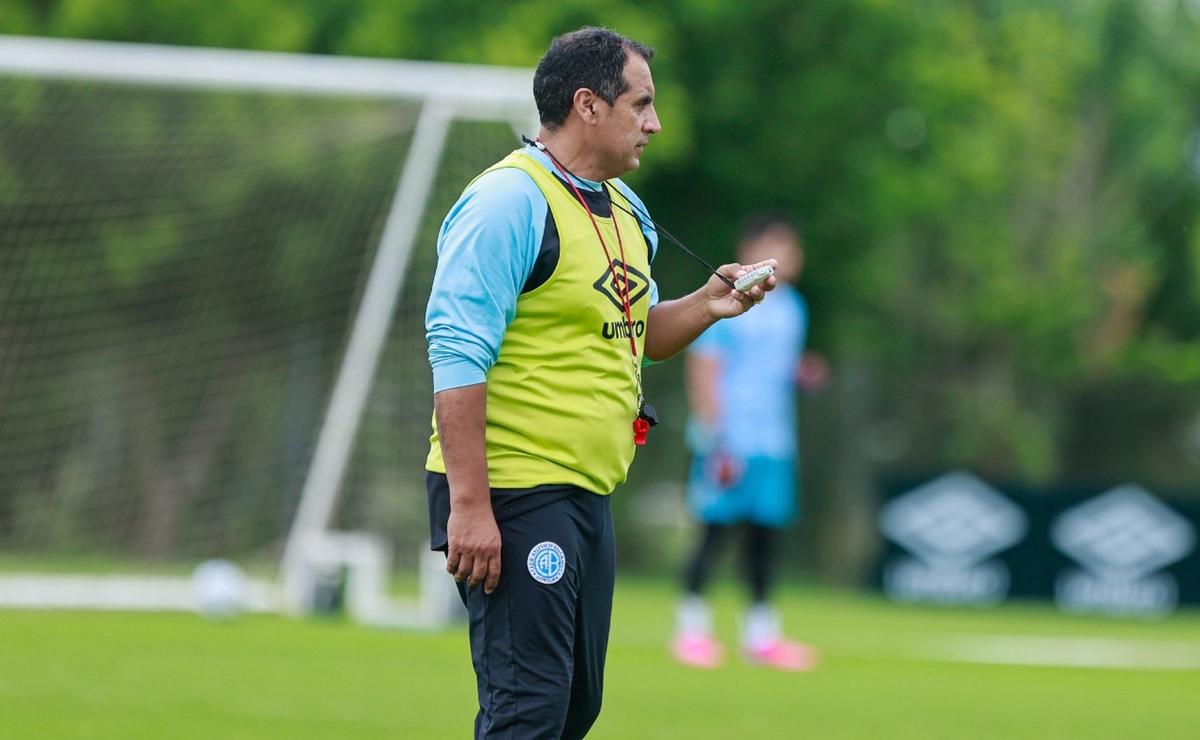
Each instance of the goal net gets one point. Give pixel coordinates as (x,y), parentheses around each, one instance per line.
(213,271)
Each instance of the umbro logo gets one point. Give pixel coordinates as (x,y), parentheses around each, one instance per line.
(952,526)
(613,285)
(1124,532)
(1123,538)
(956,519)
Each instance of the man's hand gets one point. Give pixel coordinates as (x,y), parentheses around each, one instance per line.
(472,537)
(724,303)
(672,325)
(473,554)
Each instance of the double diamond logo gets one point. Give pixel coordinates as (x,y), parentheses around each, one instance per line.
(1122,538)
(952,525)
(956,519)
(612,285)
(1125,532)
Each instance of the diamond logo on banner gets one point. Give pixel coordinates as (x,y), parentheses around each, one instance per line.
(956,519)
(1122,538)
(1125,531)
(953,525)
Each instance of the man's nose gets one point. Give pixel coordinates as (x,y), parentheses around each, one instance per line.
(652,124)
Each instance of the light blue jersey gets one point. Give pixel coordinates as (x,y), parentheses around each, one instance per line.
(487,248)
(758,353)
(755,437)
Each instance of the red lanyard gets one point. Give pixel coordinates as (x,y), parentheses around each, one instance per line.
(641,425)
(612,268)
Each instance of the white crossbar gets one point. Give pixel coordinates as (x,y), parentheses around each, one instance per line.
(495,87)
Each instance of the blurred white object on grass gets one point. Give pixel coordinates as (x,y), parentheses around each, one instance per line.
(220,588)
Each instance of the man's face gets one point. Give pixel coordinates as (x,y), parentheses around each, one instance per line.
(625,126)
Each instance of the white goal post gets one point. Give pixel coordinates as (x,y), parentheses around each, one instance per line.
(444,94)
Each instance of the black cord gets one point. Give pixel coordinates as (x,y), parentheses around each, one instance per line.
(657,228)
(671,238)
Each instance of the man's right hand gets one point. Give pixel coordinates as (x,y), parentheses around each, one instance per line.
(473,554)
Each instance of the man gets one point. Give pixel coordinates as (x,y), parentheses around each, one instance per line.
(743,467)
(541,313)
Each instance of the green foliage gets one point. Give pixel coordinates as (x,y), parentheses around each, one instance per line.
(1000,199)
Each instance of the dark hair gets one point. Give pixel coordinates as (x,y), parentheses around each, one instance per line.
(590,57)
(759,225)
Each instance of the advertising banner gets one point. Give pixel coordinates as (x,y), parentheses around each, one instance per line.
(958,539)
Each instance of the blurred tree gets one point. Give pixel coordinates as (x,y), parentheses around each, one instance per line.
(1000,202)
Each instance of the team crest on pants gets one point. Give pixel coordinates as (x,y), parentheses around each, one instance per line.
(547,562)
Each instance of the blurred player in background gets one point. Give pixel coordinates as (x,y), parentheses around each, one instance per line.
(742,376)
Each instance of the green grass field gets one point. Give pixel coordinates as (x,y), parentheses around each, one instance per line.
(888,672)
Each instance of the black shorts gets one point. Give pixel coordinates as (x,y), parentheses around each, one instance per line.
(538,642)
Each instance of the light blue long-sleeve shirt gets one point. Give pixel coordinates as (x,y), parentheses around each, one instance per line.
(487,248)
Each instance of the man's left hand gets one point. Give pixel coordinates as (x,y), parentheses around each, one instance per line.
(723,302)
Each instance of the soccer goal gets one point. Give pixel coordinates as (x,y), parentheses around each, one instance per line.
(213,270)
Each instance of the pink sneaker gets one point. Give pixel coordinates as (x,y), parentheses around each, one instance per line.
(698,650)
(784,655)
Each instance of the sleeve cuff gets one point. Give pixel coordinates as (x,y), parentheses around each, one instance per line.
(456,375)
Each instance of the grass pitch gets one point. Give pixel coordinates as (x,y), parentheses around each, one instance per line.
(888,673)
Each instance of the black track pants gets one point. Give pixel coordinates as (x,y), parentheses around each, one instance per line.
(539,640)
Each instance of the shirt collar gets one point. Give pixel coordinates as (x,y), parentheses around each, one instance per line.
(544,160)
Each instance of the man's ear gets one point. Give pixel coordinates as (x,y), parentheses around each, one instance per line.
(584,103)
